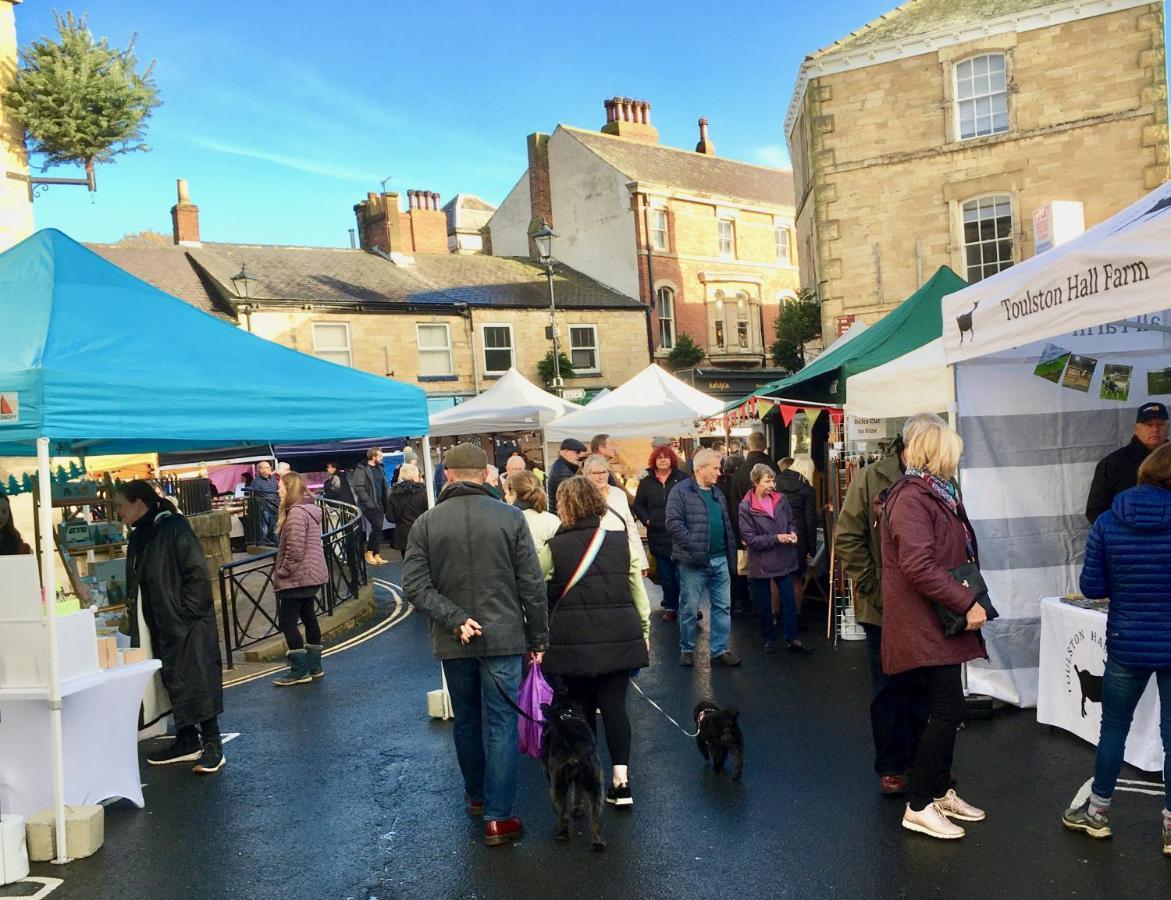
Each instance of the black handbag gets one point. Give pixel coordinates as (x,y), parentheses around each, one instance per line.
(969,576)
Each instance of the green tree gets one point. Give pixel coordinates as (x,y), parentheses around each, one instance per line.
(81,101)
(545,368)
(798,323)
(685,354)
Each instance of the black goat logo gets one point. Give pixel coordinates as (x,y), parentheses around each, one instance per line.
(965,323)
(1091,686)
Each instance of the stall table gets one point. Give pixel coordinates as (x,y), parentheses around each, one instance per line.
(1073,659)
(99,733)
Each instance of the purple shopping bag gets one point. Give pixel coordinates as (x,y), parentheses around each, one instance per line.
(534,691)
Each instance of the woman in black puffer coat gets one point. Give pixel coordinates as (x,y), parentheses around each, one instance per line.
(599,627)
(405,502)
(796,483)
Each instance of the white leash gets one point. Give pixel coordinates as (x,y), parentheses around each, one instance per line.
(634,684)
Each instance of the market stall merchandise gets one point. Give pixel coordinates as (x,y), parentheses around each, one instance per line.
(1073,660)
(1052,358)
(151,373)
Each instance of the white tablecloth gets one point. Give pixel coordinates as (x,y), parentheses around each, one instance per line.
(99,722)
(1073,641)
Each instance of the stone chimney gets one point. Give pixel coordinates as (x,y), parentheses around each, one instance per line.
(378,223)
(383,226)
(704,146)
(423,225)
(631,119)
(540,188)
(185,218)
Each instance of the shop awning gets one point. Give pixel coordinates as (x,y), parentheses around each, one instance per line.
(101,362)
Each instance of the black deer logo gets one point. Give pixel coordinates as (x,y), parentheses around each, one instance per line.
(964,322)
(1091,686)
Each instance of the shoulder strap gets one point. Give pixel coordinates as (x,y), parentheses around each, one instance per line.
(587,560)
(621,517)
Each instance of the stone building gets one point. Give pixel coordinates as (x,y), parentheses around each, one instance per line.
(450,323)
(467,215)
(16,208)
(705,242)
(931,135)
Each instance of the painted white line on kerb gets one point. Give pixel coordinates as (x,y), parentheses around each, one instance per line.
(48,885)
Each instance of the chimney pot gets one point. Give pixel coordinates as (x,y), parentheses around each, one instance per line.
(184,217)
(184,195)
(646,112)
(705,145)
(627,109)
(435,201)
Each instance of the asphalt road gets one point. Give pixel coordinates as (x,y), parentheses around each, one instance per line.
(345,789)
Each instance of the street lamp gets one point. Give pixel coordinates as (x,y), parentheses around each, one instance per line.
(242,285)
(543,238)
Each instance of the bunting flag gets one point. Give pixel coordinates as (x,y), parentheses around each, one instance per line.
(787,413)
(764,407)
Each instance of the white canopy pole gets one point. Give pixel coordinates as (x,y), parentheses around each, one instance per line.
(49,610)
(428,471)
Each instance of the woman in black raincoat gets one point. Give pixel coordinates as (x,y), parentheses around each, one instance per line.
(166,572)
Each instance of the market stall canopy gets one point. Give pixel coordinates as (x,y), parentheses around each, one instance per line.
(916,382)
(913,323)
(101,362)
(845,337)
(653,402)
(513,403)
(1116,270)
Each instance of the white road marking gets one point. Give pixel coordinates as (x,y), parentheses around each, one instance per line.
(1083,793)
(48,885)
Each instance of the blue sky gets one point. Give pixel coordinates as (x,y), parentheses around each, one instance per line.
(283,115)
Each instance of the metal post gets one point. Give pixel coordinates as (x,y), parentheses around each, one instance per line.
(558,385)
(428,471)
(49,610)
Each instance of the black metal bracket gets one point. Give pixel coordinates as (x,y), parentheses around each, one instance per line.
(38,185)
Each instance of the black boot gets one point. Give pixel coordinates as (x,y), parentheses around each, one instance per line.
(212,759)
(184,748)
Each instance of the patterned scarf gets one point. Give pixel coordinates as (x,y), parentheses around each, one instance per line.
(943,488)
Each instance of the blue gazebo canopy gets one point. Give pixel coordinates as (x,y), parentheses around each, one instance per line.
(102,362)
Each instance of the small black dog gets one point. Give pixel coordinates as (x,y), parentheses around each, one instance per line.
(569,751)
(1091,686)
(719,735)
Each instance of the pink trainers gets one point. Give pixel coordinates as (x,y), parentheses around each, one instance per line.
(955,808)
(932,822)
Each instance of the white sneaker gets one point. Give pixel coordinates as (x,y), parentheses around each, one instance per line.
(931,822)
(955,808)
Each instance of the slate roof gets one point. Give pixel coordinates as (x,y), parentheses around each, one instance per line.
(917,17)
(673,167)
(202,276)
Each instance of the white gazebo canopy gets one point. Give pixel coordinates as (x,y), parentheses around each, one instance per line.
(513,403)
(653,402)
(919,381)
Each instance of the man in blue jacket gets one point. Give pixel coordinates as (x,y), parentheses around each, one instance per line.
(703,546)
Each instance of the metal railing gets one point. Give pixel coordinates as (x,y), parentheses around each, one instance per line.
(248,601)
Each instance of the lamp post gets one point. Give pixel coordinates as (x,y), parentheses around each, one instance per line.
(242,284)
(543,238)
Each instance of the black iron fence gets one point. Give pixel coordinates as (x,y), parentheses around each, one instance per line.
(248,599)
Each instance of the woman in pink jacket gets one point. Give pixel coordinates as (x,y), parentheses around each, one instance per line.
(299,574)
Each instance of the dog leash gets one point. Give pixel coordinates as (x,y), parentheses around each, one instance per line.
(690,734)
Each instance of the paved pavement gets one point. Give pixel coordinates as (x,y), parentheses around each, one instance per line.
(345,789)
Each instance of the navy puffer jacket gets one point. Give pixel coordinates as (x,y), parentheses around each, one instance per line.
(686,520)
(1128,555)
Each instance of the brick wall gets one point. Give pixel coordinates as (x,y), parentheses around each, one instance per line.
(383,226)
(540,192)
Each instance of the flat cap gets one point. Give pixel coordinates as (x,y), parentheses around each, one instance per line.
(465,456)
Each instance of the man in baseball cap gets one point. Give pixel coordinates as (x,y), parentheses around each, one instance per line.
(567,464)
(1119,471)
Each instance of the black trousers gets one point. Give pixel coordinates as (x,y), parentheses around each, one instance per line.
(374,538)
(298,603)
(607,693)
(931,774)
(898,711)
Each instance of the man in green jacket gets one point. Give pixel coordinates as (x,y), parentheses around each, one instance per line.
(898,713)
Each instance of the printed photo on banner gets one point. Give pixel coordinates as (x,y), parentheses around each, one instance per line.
(1079,372)
(1115,382)
(1159,381)
(1052,363)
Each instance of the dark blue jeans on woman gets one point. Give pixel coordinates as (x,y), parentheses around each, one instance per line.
(1122,688)
(668,580)
(762,597)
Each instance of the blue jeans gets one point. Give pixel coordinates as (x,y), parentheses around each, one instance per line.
(485,729)
(668,580)
(1122,688)
(268,516)
(692,582)
(762,597)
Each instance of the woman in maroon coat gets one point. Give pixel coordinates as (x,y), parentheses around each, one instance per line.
(925,533)
(298,574)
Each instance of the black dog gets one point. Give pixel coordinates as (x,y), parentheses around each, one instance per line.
(1091,686)
(569,751)
(719,735)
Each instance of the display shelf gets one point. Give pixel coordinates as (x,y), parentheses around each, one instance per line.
(78,549)
(62,502)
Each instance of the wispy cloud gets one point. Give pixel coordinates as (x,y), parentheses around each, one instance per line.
(300,163)
(773,155)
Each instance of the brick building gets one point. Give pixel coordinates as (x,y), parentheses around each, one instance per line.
(705,243)
(449,323)
(16,208)
(932,134)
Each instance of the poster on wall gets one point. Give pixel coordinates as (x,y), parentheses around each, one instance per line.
(1052,363)
(1079,372)
(1159,381)
(1115,382)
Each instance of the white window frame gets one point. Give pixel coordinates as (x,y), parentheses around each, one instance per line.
(669,320)
(730,253)
(991,249)
(663,245)
(981,97)
(319,351)
(485,348)
(434,351)
(747,331)
(784,237)
(597,350)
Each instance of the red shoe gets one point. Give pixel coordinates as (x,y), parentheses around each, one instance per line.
(669,615)
(892,785)
(501,831)
(473,807)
